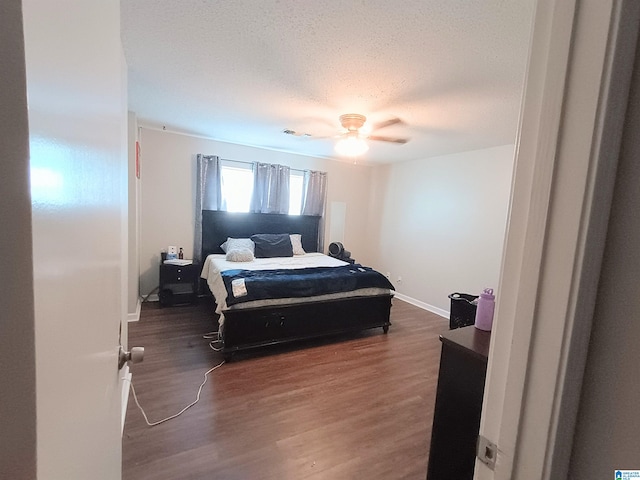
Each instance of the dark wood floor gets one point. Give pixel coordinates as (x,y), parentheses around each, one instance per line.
(355,407)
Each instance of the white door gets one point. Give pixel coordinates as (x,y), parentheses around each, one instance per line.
(76,89)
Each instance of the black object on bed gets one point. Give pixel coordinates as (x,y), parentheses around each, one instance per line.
(249,328)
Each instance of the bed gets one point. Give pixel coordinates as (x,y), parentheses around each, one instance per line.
(248,321)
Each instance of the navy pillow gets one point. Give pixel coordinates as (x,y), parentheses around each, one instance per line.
(272,245)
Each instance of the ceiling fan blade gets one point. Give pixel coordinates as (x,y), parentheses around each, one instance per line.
(388,139)
(299,133)
(295,133)
(322,137)
(386,123)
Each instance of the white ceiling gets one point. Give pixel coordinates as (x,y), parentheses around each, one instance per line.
(242,71)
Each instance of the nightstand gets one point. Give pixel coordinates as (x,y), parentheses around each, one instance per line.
(178,284)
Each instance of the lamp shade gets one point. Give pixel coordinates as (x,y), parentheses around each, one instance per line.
(351,145)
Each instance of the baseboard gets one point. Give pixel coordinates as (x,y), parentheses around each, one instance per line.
(126,385)
(153,298)
(135,316)
(422,305)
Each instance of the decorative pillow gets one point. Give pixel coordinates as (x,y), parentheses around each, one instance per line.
(272,245)
(296,244)
(236,243)
(240,255)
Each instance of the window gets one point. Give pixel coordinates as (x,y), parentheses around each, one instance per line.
(237,187)
(296,182)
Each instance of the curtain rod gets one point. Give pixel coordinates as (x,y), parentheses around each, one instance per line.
(251,163)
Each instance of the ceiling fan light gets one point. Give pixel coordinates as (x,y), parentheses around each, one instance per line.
(351,146)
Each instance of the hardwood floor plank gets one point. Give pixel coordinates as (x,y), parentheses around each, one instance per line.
(352,406)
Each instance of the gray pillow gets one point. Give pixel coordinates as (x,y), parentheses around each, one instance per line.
(240,255)
(235,243)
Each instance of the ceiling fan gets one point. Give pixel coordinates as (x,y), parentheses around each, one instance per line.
(352,142)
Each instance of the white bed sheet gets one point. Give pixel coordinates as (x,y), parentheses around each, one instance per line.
(216,263)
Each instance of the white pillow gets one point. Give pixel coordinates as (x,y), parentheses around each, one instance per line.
(236,243)
(240,255)
(296,243)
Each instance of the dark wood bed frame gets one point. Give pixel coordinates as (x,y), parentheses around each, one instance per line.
(257,327)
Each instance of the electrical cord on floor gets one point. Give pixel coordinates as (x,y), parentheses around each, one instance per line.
(149,294)
(152,424)
(215,337)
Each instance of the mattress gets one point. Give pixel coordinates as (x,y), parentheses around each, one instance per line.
(217,263)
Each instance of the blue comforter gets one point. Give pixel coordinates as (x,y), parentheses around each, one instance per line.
(249,285)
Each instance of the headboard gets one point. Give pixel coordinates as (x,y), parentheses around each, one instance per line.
(217,226)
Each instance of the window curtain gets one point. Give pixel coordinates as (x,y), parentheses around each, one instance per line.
(208,195)
(270,188)
(314,199)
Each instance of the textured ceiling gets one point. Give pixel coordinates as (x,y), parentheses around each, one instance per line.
(242,71)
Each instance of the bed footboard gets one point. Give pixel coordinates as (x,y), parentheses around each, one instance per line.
(257,327)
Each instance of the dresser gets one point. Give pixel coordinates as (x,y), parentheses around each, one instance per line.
(456,418)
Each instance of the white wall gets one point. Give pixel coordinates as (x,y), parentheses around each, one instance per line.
(441,223)
(168,181)
(438,223)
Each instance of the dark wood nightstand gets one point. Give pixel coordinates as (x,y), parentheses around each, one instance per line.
(178,284)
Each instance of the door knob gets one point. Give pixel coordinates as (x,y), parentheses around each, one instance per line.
(136,355)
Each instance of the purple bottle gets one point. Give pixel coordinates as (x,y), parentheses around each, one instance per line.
(484,312)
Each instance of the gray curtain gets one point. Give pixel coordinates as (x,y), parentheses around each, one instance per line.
(314,199)
(314,192)
(270,188)
(208,195)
